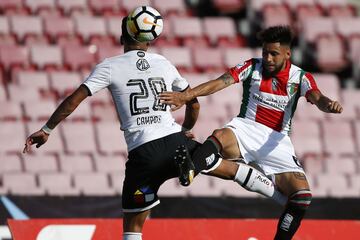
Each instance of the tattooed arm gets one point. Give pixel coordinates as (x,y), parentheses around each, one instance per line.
(178,99)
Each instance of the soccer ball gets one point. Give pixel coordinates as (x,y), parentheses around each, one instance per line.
(144,24)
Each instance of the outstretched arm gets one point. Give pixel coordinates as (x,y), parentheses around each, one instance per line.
(62,111)
(191,115)
(178,99)
(324,103)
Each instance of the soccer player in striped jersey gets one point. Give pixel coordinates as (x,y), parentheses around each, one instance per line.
(272,86)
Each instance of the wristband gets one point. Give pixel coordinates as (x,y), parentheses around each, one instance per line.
(46,129)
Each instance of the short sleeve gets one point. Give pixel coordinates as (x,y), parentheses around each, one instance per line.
(242,71)
(99,78)
(179,84)
(308,84)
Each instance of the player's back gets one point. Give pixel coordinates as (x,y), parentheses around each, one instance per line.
(136,79)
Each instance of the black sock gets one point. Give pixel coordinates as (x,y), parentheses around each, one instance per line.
(208,150)
(289,222)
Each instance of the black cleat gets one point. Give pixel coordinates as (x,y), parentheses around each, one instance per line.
(186,168)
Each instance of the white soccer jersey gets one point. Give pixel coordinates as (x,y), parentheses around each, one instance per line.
(135,79)
(271,101)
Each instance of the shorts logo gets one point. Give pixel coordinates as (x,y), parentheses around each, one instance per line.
(144,195)
(210,159)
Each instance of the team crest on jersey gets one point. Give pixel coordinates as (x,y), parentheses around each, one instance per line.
(293,88)
(142,64)
(274,84)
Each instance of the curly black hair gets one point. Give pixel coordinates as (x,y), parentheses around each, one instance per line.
(282,34)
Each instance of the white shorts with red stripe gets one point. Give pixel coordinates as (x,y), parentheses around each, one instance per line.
(272,151)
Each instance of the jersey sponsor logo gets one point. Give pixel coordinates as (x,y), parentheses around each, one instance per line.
(147,21)
(142,64)
(273,102)
(286,222)
(210,159)
(148,120)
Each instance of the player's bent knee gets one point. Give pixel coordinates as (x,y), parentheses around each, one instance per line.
(301,199)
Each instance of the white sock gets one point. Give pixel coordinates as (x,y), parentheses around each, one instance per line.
(254,181)
(132,236)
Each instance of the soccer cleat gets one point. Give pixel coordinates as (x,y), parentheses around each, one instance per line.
(186,168)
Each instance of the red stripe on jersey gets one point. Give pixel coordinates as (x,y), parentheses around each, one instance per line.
(269,117)
(311,79)
(235,72)
(273,86)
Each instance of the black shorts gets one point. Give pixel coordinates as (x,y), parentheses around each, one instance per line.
(149,166)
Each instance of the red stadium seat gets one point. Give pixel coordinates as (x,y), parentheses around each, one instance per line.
(36,5)
(229,6)
(334,60)
(258,5)
(357,133)
(79,137)
(113,25)
(38,111)
(341,11)
(24,26)
(75,163)
(69,6)
(189,30)
(58,184)
(102,98)
(338,139)
(179,56)
(306,111)
(329,84)
(31,79)
(204,128)
(104,6)
(22,184)
(54,144)
(166,7)
(11,4)
(305,12)
(347,27)
(354,48)
(306,138)
(93,184)
(108,51)
(46,56)
(294,5)
(104,112)
(10,111)
(57,26)
(313,27)
(117,180)
(88,26)
(22,94)
(348,96)
(4,26)
(77,57)
(12,137)
(234,56)
(208,59)
(13,55)
(228,188)
(130,5)
(40,163)
(313,165)
(110,164)
(221,31)
(10,163)
(81,113)
(64,82)
(276,15)
(110,138)
(329,3)
(331,181)
(335,165)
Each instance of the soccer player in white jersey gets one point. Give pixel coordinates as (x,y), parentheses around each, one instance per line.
(135,79)
(259,134)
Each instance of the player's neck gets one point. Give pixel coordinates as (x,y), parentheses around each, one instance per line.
(143,47)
